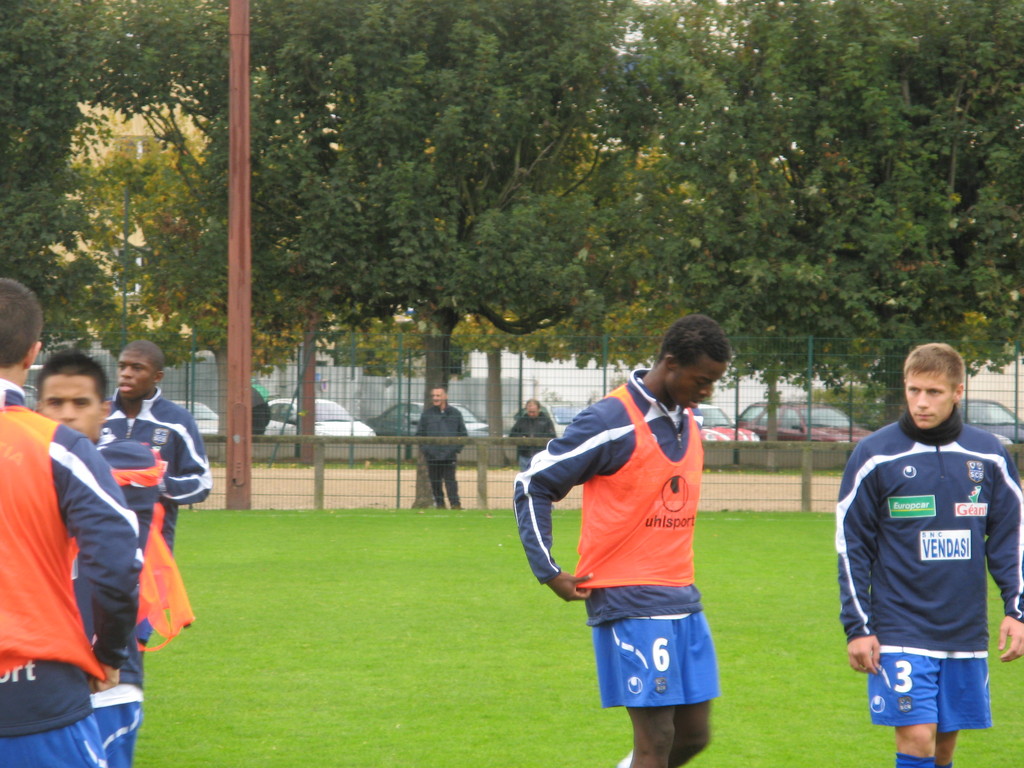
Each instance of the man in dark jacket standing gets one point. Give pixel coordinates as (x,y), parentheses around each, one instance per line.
(141,413)
(441,420)
(532,423)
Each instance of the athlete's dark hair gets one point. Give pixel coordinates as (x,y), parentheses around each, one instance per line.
(73,362)
(21,321)
(148,350)
(691,336)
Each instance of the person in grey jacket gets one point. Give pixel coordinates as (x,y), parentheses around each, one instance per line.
(532,423)
(442,420)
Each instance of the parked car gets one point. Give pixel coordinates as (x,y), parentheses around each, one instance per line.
(207,420)
(331,419)
(824,422)
(403,418)
(563,415)
(718,426)
(994,417)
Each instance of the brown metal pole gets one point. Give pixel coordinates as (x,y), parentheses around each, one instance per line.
(239,449)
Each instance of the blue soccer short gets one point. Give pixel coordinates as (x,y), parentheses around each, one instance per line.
(912,688)
(119,728)
(74,746)
(656,662)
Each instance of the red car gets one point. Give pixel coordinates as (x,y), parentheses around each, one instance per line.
(826,424)
(718,426)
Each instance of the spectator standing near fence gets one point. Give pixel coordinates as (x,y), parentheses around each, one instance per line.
(639,457)
(533,422)
(924,505)
(54,486)
(442,420)
(141,413)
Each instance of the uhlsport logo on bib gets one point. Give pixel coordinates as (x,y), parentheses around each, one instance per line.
(911,506)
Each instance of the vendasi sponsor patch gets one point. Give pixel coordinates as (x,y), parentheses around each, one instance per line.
(945,545)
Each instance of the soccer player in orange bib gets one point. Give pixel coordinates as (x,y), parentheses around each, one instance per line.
(54,485)
(639,457)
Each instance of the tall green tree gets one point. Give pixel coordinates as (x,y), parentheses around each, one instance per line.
(48,55)
(843,169)
(445,157)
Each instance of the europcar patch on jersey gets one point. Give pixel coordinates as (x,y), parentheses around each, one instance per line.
(912,506)
(975,471)
(161,435)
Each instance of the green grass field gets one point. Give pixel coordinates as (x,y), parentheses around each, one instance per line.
(371,639)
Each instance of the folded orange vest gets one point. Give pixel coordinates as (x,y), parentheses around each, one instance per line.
(163,600)
(162,597)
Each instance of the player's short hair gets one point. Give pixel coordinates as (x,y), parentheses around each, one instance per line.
(935,359)
(148,350)
(73,362)
(691,336)
(21,321)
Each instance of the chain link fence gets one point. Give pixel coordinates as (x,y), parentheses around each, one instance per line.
(786,413)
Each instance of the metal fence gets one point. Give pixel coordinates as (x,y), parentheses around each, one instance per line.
(377,382)
(381,473)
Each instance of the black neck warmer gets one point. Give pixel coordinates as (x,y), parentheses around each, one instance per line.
(945,433)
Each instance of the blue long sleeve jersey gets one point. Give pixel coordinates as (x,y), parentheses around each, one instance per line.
(915,526)
(170,429)
(125,454)
(44,695)
(599,441)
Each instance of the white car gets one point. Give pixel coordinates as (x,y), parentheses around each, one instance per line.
(718,426)
(331,419)
(207,420)
(563,414)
